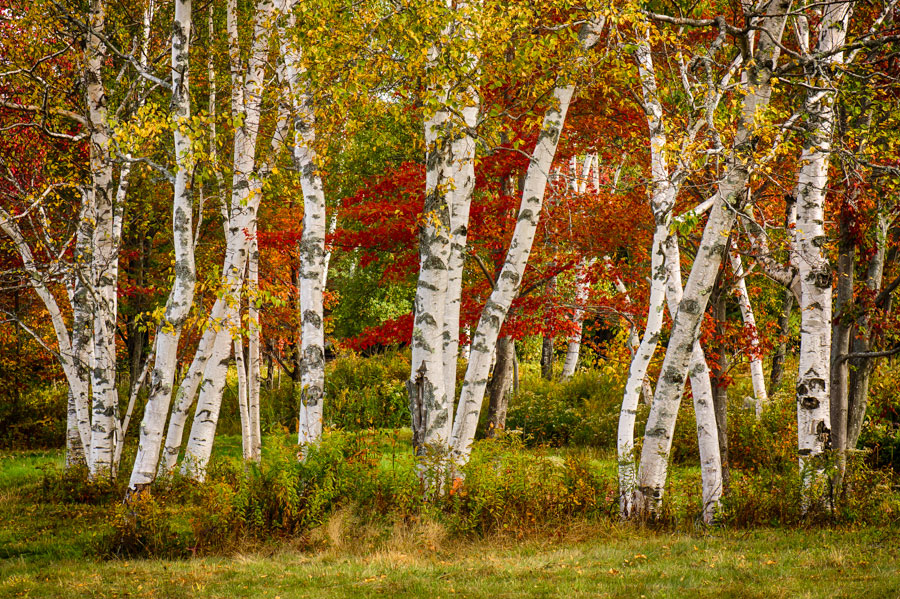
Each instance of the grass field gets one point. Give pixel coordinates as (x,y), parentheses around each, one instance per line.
(48,550)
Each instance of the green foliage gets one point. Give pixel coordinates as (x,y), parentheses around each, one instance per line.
(765,444)
(772,497)
(73,485)
(581,411)
(881,432)
(360,393)
(367,392)
(34,418)
(506,488)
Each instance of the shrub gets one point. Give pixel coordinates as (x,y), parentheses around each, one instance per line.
(767,443)
(582,411)
(35,420)
(506,489)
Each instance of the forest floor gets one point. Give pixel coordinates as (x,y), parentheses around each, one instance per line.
(48,550)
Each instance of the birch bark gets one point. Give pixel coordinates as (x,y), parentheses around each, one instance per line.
(708,445)
(484,340)
(181,296)
(686,325)
(757,374)
(247,88)
(582,293)
(311,249)
(104,254)
(662,201)
(813,412)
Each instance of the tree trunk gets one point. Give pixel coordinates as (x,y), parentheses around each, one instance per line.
(840,344)
(813,411)
(665,286)
(784,331)
(720,388)
(181,297)
(861,368)
(500,386)
(582,293)
(311,249)
(757,375)
(247,88)
(104,255)
(686,326)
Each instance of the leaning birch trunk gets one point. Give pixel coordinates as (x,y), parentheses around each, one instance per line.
(71,351)
(484,341)
(104,255)
(582,292)
(711,471)
(247,91)
(661,202)
(495,310)
(311,249)
(813,411)
(203,430)
(757,374)
(185,396)
(181,297)
(686,326)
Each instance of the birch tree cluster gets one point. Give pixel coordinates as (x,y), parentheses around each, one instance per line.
(186,189)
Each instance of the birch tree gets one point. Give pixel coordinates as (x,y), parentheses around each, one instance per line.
(508,281)
(312,265)
(449,183)
(686,324)
(181,296)
(757,375)
(666,288)
(224,318)
(813,411)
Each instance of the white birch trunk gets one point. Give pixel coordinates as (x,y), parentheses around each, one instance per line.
(701,390)
(686,323)
(462,156)
(495,310)
(73,362)
(493,315)
(243,397)
(430,405)
(203,430)
(181,296)
(311,249)
(104,255)
(253,367)
(661,202)
(245,197)
(186,393)
(813,409)
(582,293)
(757,375)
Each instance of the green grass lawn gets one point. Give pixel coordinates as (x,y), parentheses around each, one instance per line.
(48,550)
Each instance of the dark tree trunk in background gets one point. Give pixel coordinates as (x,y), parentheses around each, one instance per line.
(784,330)
(500,386)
